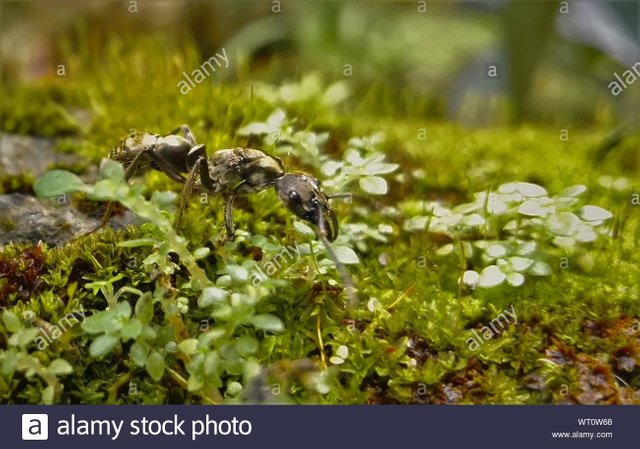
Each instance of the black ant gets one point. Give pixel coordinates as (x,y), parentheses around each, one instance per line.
(230,172)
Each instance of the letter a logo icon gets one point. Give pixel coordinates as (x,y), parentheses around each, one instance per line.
(35,427)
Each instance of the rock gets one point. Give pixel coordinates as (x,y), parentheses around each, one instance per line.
(27,154)
(28,219)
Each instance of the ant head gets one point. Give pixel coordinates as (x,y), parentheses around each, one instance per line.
(302,195)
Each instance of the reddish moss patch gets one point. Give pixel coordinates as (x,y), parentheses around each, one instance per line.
(22,275)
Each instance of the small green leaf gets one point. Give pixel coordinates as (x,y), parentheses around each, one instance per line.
(530,190)
(540,269)
(60,367)
(57,182)
(573,191)
(595,213)
(101,322)
(211,362)
(342,352)
(212,295)
(346,255)
(155,365)
(496,250)
(532,208)
(237,272)
(188,346)
(110,169)
(520,263)
(303,229)
(564,224)
(103,345)
(138,353)
(416,223)
(137,242)
(26,336)
(164,199)
(48,395)
(491,276)
(374,185)
(470,278)
(515,279)
(195,382)
(201,253)
(123,310)
(266,322)
(144,308)
(11,321)
(131,329)
(246,345)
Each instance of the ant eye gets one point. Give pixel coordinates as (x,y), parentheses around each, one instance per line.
(293,196)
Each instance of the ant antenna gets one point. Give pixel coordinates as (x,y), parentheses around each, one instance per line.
(352,300)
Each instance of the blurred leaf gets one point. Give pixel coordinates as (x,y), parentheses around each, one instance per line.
(155,365)
(60,367)
(268,323)
(56,182)
(103,345)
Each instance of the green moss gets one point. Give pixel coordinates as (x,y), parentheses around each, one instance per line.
(408,340)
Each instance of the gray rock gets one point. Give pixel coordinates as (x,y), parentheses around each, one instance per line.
(27,154)
(27,219)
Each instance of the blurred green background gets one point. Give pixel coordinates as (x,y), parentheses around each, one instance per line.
(554,60)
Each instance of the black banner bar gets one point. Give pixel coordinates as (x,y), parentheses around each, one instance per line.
(310,427)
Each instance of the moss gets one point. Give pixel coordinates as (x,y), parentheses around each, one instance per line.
(408,340)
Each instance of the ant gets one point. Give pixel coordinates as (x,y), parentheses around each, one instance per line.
(230,172)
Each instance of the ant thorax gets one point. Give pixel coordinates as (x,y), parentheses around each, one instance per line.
(243,170)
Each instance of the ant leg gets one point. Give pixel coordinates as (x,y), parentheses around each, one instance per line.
(164,166)
(129,171)
(198,155)
(186,131)
(186,193)
(228,217)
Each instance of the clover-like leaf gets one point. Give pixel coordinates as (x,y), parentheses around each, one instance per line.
(266,322)
(188,346)
(564,224)
(346,255)
(60,367)
(144,308)
(155,365)
(374,185)
(56,182)
(131,329)
(491,276)
(246,345)
(515,279)
(138,353)
(11,321)
(212,295)
(573,191)
(471,278)
(103,345)
(539,268)
(530,190)
(594,213)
